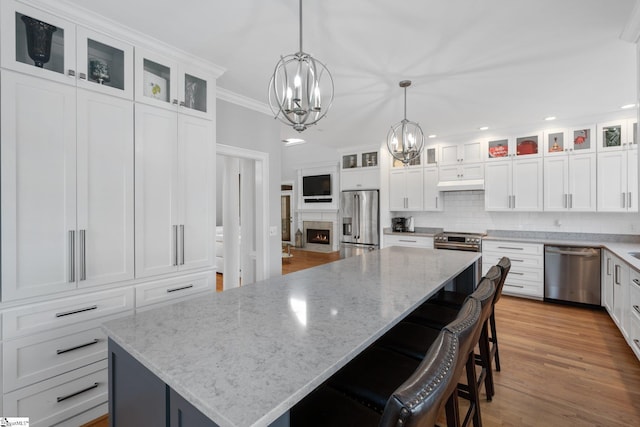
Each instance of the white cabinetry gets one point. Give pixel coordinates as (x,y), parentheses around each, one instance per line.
(633,324)
(68,186)
(360,171)
(607,281)
(570,182)
(526,277)
(175,227)
(621,281)
(468,152)
(514,185)
(432,199)
(618,181)
(408,240)
(405,189)
(619,135)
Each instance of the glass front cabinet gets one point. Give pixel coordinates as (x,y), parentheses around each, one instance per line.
(618,135)
(577,140)
(161,82)
(46,46)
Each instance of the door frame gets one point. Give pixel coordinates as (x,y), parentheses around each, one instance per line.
(290,193)
(262,202)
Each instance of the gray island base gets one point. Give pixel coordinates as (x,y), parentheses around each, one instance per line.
(245,356)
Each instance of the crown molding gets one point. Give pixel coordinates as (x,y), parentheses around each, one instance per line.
(243,101)
(631,31)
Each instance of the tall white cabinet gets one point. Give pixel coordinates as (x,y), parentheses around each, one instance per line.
(107,200)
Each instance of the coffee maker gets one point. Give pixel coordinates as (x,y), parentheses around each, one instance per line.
(399,224)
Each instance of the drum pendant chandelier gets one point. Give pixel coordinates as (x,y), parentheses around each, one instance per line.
(405,139)
(301,89)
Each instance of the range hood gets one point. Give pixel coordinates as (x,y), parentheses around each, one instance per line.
(461,185)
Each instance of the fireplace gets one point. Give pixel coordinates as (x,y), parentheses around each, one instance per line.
(318,236)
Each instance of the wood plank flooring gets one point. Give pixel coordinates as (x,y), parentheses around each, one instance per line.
(561,365)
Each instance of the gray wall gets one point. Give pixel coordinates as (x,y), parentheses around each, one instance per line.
(241,127)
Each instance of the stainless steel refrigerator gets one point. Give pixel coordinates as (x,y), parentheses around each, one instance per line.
(360,231)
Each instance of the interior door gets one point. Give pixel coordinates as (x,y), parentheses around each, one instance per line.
(285,217)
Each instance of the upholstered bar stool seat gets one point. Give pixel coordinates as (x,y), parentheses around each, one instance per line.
(328,407)
(410,339)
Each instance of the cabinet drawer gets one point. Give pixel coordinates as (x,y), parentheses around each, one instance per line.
(35,358)
(59,398)
(634,335)
(512,248)
(517,260)
(634,295)
(534,290)
(63,312)
(172,289)
(409,241)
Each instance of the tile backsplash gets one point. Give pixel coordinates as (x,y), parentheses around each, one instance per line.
(464,211)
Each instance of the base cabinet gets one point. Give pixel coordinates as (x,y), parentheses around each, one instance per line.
(133,390)
(408,241)
(526,277)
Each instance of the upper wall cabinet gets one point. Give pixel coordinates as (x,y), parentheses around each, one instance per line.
(560,142)
(162,83)
(528,146)
(47,46)
(469,152)
(618,135)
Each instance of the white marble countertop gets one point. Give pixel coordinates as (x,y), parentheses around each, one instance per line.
(419,231)
(245,356)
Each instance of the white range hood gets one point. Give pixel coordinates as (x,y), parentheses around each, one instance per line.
(461,185)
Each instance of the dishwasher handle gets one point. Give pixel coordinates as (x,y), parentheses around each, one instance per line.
(582,253)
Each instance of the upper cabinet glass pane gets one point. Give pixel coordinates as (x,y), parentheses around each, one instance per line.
(612,136)
(582,139)
(39,43)
(527,145)
(555,142)
(156,80)
(498,148)
(370,159)
(105,64)
(431,155)
(195,93)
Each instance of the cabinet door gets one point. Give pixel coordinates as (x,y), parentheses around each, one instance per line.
(156,216)
(414,189)
(472,171)
(556,183)
(16,19)
(497,186)
(397,190)
(612,181)
(196,145)
(432,197)
(194,92)
(156,80)
(527,185)
(582,183)
(104,64)
(449,154)
(632,180)
(105,189)
(620,290)
(472,152)
(38,177)
(607,281)
(612,136)
(449,173)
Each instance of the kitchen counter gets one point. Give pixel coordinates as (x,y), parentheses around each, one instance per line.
(419,231)
(620,244)
(245,356)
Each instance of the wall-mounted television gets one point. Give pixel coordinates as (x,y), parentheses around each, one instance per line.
(316,185)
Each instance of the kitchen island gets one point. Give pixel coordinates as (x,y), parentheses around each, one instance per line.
(245,356)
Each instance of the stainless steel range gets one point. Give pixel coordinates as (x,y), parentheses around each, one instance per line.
(458,241)
(472,242)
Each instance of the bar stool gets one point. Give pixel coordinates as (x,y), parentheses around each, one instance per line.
(415,403)
(505,265)
(372,377)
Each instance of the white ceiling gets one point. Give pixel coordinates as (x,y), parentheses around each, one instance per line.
(500,63)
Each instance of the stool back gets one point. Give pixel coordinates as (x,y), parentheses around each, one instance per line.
(505,265)
(486,291)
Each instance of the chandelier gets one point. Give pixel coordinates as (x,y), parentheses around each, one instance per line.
(300,89)
(405,139)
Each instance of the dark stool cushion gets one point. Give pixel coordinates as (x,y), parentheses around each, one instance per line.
(374,375)
(410,339)
(328,407)
(433,315)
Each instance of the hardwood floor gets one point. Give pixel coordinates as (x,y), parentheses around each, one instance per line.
(561,365)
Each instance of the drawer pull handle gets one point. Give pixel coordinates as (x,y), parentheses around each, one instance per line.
(510,248)
(637,343)
(69,396)
(408,241)
(636,308)
(81,310)
(516,260)
(182,288)
(514,286)
(516,273)
(636,281)
(78,347)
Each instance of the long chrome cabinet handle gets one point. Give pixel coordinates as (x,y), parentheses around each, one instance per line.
(637,309)
(181,288)
(78,347)
(608,266)
(175,245)
(616,274)
(80,310)
(83,255)
(181,244)
(69,396)
(514,286)
(570,201)
(624,200)
(72,256)
(565,201)
(511,248)
(629,199)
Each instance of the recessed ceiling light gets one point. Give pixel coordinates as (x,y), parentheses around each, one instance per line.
(433,135)
(484,128)
(627,106)
(293,141)
(549,118)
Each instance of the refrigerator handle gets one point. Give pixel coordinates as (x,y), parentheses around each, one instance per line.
(356,216)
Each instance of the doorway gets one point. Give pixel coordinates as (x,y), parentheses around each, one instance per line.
(286,212)
(241,235)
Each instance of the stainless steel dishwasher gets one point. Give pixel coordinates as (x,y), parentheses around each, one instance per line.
(572,274)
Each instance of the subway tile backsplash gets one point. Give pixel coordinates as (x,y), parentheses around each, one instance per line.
(464,211)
